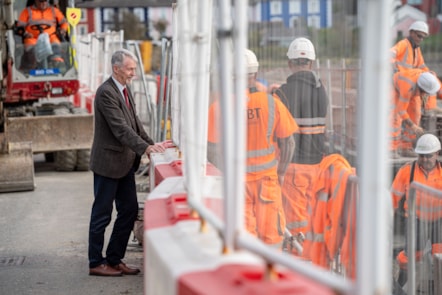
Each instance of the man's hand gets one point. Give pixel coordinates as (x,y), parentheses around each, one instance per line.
(155,148)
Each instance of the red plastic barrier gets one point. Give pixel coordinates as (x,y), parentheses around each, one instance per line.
(174,168)
(166,212)
(247,279)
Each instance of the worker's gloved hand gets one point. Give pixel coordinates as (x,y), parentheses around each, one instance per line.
(63,33)
(417,130)
(27,35)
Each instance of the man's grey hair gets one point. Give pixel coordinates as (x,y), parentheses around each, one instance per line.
(120,54)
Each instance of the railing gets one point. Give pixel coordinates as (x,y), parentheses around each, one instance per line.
(423,228)
(192,37)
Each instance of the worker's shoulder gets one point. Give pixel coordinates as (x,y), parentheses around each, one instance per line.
(406,167)
(402,42)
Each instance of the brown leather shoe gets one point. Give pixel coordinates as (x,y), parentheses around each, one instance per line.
(105,270)
(125,269)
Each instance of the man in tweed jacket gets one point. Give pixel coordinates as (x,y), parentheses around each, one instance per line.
(119,142)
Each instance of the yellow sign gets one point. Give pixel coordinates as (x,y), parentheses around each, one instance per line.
(73,15)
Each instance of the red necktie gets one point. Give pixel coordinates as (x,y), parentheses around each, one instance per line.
(126,98)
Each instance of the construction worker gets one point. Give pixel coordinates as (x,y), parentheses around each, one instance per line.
(268,120)
(306,98)
(412,86)
(330,219)
(407,54)
(38,18)
(427,171)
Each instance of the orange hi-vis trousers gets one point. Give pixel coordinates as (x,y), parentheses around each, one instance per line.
(296,192)
(264,215)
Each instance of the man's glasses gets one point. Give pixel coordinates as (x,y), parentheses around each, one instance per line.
(420,36)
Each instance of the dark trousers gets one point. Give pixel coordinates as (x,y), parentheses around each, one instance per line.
(106,191)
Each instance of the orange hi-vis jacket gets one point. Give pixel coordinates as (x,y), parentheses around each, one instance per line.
(405,57)
(50,17)
(407,104)
(414,110)
(404,90)
(427,207)
(267,119)
(326,227)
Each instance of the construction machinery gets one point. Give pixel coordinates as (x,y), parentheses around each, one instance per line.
(36,113)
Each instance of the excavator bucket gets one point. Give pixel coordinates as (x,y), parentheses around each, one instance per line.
(28,135)
(17,168)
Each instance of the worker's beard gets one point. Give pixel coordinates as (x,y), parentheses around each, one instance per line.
(427,165)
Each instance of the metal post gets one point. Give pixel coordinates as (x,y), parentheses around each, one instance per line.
(411,242)
(375,214)
(330,132)
(343,108)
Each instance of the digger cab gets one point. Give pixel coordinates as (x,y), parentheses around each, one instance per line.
(31,77)
(35,73)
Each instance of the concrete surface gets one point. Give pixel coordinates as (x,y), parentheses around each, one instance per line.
(43,239)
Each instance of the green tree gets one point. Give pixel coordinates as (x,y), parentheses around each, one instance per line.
(133,28)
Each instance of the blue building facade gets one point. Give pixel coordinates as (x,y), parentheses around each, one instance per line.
(313,13)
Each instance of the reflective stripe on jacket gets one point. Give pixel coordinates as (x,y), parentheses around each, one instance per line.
(267,119)
(305,97)
(427,207)
(327,229)
(405,57)
(51,16)
(405,88)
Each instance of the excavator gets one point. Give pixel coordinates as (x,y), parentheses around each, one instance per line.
(37,114)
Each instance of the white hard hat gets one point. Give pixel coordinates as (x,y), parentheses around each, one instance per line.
(301,48)
(427,144)
(428,83)
(252,62)
(419,26)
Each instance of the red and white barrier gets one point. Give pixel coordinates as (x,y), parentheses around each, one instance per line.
(180,259)
(84,98)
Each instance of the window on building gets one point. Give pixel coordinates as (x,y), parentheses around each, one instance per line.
(82,30)
(313,6)
(275,7)
(314,21)
(83,15)
(108,27)
(294,21)
(295,6)
(139,12)
(108,14)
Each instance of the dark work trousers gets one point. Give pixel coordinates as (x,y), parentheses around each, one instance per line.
(106,190)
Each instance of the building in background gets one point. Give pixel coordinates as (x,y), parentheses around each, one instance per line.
(432,9)
(107,15)
(292,13)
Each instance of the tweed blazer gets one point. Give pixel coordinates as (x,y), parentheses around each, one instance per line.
(119,137)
